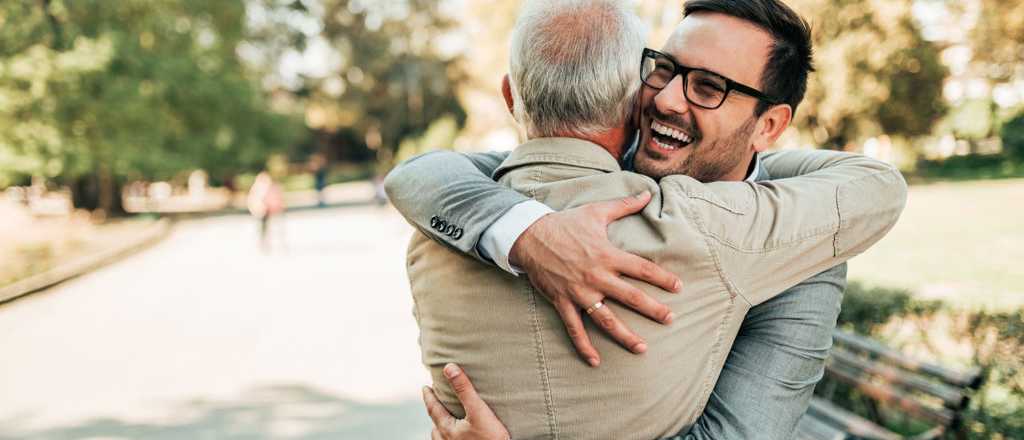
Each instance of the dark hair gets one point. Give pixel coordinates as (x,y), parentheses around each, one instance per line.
(785,73)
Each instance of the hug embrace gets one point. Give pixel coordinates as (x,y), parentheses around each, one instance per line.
(641,267)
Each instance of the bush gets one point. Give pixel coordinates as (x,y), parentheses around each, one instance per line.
(1013,137)
(971,167)
(996,341)
(865,309)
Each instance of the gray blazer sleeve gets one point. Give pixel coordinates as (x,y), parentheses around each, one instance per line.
(451,196)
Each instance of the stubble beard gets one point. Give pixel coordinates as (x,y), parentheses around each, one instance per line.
(706,163)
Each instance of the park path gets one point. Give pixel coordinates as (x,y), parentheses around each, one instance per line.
(205,337)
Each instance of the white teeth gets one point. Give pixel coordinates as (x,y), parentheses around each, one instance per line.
(670,132)
(664,145)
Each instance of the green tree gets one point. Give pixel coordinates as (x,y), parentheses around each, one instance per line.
(387,76)
(1013,137)
(875,73)
(34,61)
(138,90)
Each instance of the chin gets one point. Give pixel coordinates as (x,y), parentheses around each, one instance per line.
(655,163)
(655,169)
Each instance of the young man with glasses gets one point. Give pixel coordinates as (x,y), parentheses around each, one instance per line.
(700,115)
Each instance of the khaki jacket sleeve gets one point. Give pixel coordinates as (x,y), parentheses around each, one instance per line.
(769,236)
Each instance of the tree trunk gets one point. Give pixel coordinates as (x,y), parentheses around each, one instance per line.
(99,191)
(109,192)
(84,193)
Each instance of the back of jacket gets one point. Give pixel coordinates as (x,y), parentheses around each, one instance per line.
(513,345)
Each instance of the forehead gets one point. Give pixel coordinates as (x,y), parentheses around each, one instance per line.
(721,43)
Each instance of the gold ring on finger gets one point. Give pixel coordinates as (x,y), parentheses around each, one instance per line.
(593,308)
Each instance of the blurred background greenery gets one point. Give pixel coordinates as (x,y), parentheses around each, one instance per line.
(98,93)
(98,97)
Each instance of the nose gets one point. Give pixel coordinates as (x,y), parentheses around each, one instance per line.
(671,98)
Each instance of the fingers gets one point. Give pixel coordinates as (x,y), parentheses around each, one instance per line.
(615,209)
(436,435)
(617,330)
(636,299)
(577,333)
(475,406)
(644,270)
(443,420)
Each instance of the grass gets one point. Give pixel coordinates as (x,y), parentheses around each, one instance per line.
(29,245)
(960,242)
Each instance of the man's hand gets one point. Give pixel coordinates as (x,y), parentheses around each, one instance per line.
(480,422)
(569,259)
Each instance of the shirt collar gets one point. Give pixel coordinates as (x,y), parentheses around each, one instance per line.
(755,171)
(581,153)
(563,151)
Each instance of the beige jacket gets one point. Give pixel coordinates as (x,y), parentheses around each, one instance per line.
(734,245)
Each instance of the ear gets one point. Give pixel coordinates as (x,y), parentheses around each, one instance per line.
(770,126)
(506,91)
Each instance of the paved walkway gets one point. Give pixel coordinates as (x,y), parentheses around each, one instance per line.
(205,337)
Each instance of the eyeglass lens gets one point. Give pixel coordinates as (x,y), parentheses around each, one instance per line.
(703,88)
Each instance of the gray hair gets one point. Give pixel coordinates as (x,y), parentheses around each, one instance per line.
(575,65)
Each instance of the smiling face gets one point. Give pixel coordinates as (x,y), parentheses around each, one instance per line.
(677,137)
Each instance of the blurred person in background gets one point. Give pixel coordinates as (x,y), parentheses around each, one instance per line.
(380,195)
(318,165)
(718,94)
(266,201)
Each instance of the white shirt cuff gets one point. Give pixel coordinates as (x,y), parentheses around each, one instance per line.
(496,242)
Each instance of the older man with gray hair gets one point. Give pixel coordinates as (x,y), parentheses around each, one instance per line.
(552,48)
(735,244)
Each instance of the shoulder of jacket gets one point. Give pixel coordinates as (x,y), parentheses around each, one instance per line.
(734,197)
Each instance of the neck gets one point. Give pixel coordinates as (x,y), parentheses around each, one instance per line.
(614,141)
(741,171)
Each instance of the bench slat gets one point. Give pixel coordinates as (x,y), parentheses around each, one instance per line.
(827,412)
(951,397)
(942,416)
(811,427)
(970,378)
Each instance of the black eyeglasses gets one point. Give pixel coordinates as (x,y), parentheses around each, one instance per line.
(703,88)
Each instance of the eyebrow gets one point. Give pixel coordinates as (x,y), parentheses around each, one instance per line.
(698,66)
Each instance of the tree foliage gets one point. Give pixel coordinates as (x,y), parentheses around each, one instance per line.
(386,75)
(1013,137)
(998,39)
(129,89)
(875,72)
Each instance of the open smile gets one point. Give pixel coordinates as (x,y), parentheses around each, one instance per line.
(668,138)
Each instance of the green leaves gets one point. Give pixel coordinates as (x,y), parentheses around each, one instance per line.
(137,89)
(875,73)
(382,78)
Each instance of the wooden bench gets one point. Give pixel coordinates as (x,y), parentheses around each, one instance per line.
(928,393)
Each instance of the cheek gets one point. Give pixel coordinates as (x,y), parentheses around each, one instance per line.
(647,101)
(647,94)
(720,123)
(708,124)
(643,117)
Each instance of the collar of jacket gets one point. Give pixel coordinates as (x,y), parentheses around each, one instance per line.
(581,153)
(562,151)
